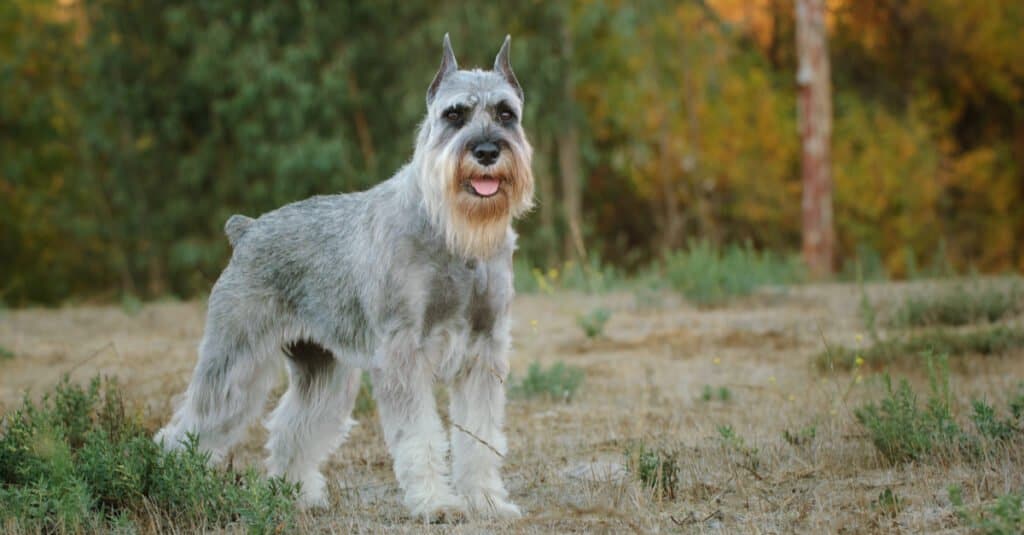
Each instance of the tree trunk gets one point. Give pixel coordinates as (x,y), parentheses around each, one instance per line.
(815,119)
(569,160)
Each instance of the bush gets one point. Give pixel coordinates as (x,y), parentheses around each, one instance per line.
(657,469)
(81,461)
(1004,517)
(903,431)
(559,382)
(707,276)
(593,322)
(959,306)
(993,340)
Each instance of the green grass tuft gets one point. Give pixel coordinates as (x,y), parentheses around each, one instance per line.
(994,340)
(81,461)
(593,322)
(558,382)
(657,469)
(903,430)
(707,275)
(959,306)
(1004,517)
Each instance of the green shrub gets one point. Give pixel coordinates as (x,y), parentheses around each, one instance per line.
(657,469)
(959,306)
(593,322)
(1004,517)
(559,382)
(800,437)
(722,394)
(992,340)
(80,461)
(6,354)
(902,430)
(707,275)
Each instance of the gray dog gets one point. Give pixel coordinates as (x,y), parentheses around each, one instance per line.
(411,280)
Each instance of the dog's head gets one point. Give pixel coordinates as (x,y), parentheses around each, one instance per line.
(474,156)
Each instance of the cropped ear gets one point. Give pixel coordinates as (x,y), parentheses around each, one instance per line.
(448,66)
(503,67)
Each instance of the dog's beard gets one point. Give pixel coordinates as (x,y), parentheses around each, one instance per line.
(474,205)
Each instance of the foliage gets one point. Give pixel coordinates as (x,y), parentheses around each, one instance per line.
(133,129)
(903,431)
(656,468)
(960,306)
(593,322)
(1004,517)
(907,350)
(800,437)
(707,275)
(722,394)
(80,460)
(558,382)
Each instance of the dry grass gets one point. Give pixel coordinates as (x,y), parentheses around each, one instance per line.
(797,461)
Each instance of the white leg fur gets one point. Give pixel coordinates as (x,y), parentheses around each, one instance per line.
(228,388)
(415,437)
(478,406)
(310,422)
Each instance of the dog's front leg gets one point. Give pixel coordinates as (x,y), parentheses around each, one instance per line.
(478,444)
(402,386)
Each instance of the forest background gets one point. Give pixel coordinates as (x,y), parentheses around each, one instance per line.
(131,129)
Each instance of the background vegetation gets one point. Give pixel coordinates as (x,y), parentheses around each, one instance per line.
(130,130)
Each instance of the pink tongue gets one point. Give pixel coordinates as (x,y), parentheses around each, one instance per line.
(484,185)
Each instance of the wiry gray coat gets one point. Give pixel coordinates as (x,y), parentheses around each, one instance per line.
(410,280)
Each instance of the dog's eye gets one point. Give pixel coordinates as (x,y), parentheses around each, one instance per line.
(506,116)
(453,115)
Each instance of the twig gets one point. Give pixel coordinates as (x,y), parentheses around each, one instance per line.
(478,439)
(692,518)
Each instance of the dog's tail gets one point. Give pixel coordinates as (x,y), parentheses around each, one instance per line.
(236,227)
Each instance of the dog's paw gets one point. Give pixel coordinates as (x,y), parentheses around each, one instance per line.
(492,504)
(440,509)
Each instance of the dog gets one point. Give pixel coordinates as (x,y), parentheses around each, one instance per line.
(410,280)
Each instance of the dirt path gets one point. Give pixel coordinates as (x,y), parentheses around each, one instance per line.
(643,381)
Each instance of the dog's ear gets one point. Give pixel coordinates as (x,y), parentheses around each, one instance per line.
(448,66)
(503,67)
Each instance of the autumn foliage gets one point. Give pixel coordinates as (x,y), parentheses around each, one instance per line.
(129,131)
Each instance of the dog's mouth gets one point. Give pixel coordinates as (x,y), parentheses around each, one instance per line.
(483,185)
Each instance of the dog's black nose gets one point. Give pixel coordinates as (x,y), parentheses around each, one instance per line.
(486,153)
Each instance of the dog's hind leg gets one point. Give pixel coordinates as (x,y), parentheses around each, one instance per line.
(312,418)
(229,387)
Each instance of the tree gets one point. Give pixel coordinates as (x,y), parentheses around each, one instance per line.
(815,110)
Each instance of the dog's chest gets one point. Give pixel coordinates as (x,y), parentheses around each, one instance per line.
(465,298)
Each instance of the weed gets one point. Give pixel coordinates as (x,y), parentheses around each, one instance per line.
(592,276)
(959,306)
(708,276)
(81,461)
(888,503)
(1004,517)
(989,425)
(993,340)
(593,322)
(800,437)
(130,304)
(6,354)
(657,469)
(749,459)
(722,394)
(903,431)
(559,382)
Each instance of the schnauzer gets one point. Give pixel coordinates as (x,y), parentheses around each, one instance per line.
(410,280)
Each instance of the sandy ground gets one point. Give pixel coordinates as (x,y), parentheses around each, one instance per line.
(643,381)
